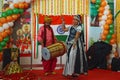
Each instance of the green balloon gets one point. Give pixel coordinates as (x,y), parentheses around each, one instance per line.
(111,31)
(0,48)
(3,43)
(6,39)
(9,12)
(98,2)
(111,27)
(109,36)
(4,14)
(15,11)
(21,11)
(97,6)
(107,41)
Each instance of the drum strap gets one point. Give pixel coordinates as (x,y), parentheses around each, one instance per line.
(44,41)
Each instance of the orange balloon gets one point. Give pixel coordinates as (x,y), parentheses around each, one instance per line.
(14,16)
(9,18)
(21,5)
(103,37)
(114,36)
(109,16)
(93,1)
(4,34)
(106,27)
(109,21)
(1,24)
(8,31)
(3,20)
(112,41)
(100,14)
(101,9)
(16,5)
(103,3)
(26,5)
(116,54)
(105,32)
(1,38)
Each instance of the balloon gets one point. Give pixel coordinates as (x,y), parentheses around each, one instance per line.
(107,41)
(101,23)
(109,16)
(107,7)
(0,48)
(27,1)
(6,39)
(1,38)
(4,14)
(1,24)
(114,36)
(8,31)
(9,12)
(100,14)
(11,6)
(14,17)
(10,24)
(3,43)
(101,9)
(109,21)
(5,26)
(97,6)
(21,5)
(106,12)
(26,5)
(21,11)
(103,3)
(112,41)
(111,31)
(16,5)
(9,18)
(111,26)
(1,29)
(15,1)
(104,17)
(93,1)
(98,1)
(109,36)
(103,37)
(15,11)
(106,27)
(21,0)
(105,32)
(3,20)
(4,34)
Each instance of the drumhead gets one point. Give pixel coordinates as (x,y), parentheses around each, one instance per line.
(45,54)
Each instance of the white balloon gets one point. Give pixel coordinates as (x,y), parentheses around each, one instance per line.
(12,6)
(21,0)
(107,7)
(101,23)
(5,26)
(15,1)
(106,12)
(1,29)
(10,24)
(114,45)
(27,1)
(104,17)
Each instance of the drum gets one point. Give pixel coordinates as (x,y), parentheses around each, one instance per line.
(54,50)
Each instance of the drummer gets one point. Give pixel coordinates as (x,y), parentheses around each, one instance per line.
(46,38)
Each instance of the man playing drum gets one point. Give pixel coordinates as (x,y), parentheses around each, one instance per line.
(46,38)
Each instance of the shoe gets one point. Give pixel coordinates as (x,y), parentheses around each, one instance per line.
(53,72)
(46,74)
